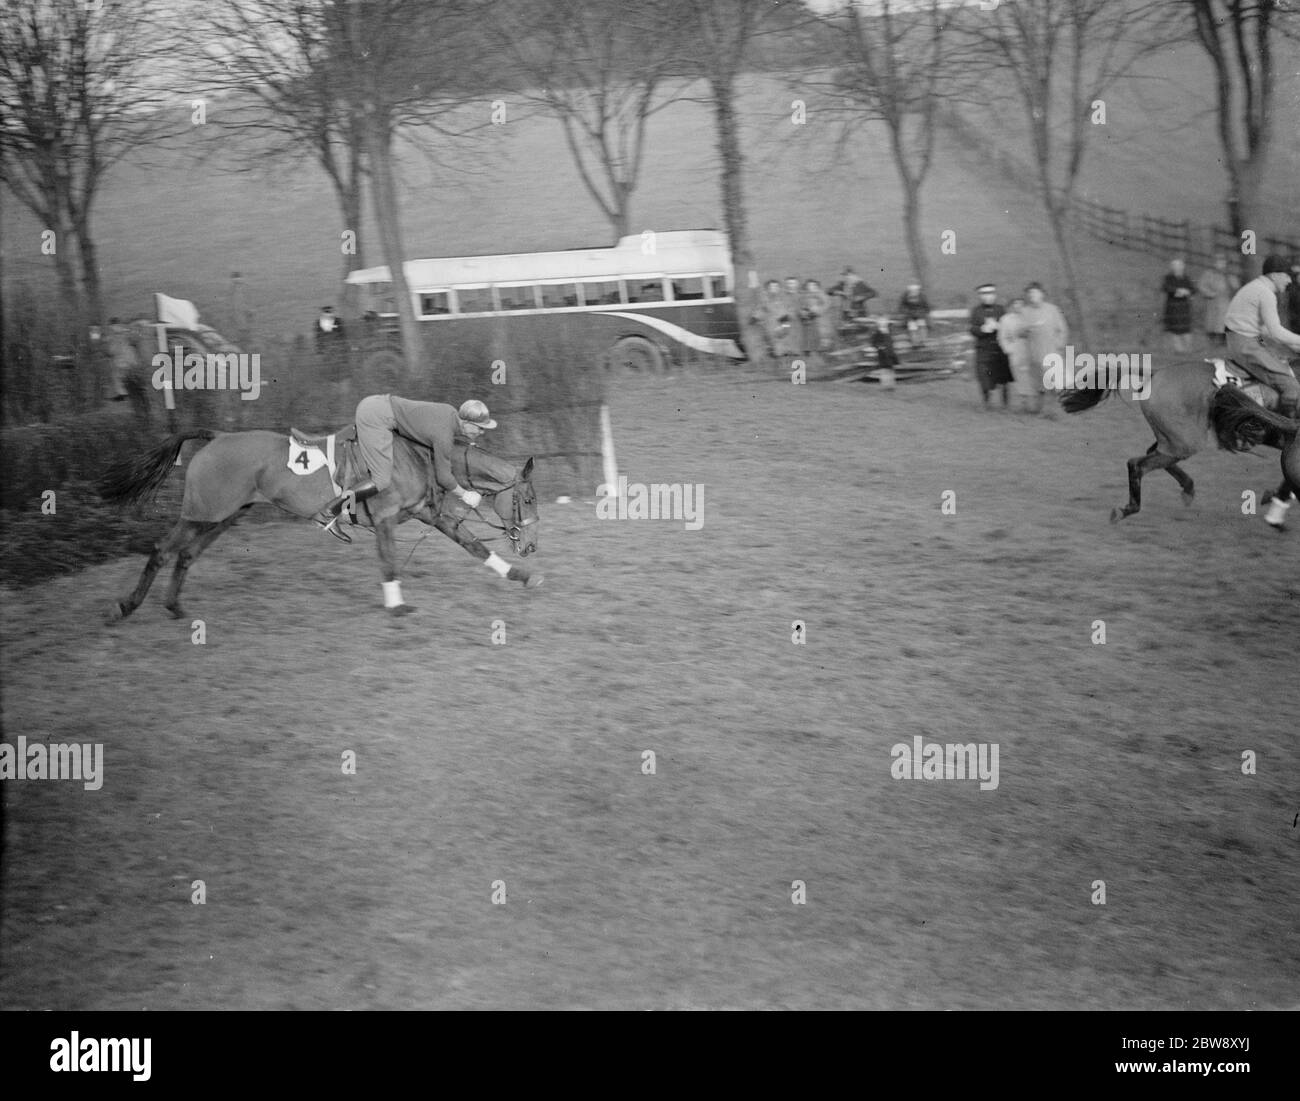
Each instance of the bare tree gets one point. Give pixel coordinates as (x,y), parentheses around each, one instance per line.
(602,70)
(895,61)
(405,67)
(1239,36)
(721,37)
(79,91)
(1070,50)
(352,82)
(271,65)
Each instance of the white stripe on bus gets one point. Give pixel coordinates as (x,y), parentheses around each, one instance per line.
(711,345)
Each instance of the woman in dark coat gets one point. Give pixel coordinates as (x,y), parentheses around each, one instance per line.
(992,368)
(1179,292)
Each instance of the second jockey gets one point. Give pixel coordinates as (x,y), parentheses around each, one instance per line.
(431,423)
(1252,321)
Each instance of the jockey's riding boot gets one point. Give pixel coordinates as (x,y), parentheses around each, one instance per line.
(356,495)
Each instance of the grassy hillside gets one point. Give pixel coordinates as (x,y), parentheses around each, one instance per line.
(1159,150)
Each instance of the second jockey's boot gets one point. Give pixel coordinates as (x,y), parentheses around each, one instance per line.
(356,495)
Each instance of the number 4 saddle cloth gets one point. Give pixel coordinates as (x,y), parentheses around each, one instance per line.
(339,454)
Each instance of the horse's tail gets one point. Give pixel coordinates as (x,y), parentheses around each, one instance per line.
(1241,423)
(135,480)
(1080,401)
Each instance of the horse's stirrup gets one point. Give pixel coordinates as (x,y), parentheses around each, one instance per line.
(333,528)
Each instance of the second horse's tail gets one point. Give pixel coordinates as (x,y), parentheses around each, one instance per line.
(138,479)
(1240,423)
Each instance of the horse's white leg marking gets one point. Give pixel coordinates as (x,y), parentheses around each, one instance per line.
(1276,513)
(392,594)
(497,564)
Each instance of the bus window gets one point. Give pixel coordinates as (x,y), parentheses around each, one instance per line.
(605,293)
(434,303)
(638,291)
(517,298)
(690,288)
(474,300)
(557,296)
(719,288)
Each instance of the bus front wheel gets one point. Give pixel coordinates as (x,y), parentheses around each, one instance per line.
(636,354)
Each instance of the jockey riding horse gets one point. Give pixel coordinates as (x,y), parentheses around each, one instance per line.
(431,423)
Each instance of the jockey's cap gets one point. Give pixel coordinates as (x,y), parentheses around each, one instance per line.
(475,412)
(1277,263)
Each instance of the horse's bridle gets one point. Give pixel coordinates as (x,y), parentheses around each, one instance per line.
(515,530)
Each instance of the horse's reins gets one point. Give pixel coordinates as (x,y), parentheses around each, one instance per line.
(514,531)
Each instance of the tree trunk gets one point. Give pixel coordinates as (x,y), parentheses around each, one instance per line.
(734,216)
(1076,315)
(912,228)
(1247,183)
(64,268)
(622,216)
(92,387)
(383,194)
(350,203)
(90,277)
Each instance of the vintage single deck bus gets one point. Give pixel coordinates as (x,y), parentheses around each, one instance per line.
(642,302)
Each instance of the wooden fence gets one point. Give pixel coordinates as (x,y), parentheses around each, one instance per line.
(1197,244)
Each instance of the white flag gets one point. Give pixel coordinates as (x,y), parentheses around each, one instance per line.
(177,312)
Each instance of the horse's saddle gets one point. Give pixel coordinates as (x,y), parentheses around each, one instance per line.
(346,468)
(339,450)
(343,435)
(1228,372)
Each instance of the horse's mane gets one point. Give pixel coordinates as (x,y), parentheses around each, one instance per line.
(486,471)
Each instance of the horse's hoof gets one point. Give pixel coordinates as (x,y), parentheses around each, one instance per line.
(533,581)
(1188,498)
(177,612)
(401,609)
(116,612)
(1116,515)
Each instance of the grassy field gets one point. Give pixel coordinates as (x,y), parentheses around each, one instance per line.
(521,763)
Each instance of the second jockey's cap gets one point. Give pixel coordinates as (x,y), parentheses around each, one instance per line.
(1276,263)
(986,288)
(475,412)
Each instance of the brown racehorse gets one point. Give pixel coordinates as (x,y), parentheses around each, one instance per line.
(238,469)
(1184,404)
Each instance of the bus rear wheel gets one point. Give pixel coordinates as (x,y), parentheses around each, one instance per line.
(636,355)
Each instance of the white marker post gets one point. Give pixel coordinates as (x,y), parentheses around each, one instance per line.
(608,465)
(169,399)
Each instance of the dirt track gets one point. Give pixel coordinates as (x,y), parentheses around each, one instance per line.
(522,762)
